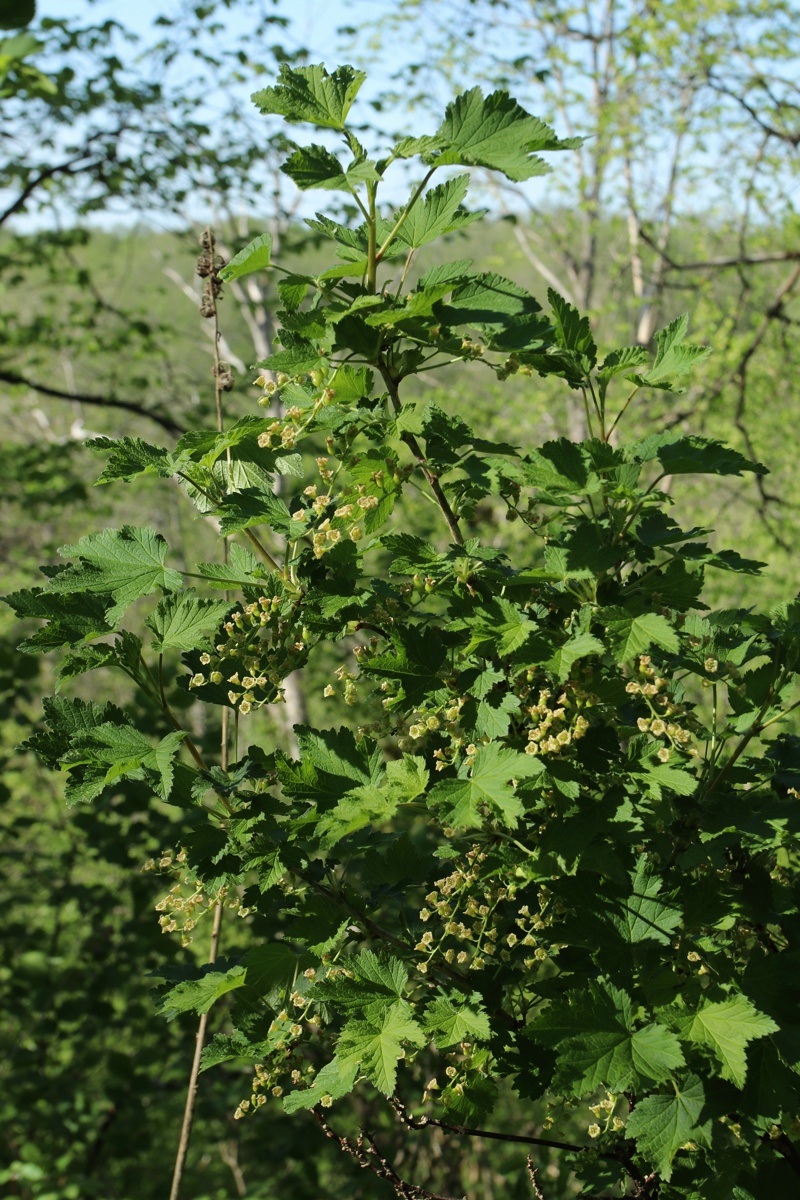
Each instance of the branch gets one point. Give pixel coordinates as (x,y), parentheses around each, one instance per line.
(167,423)
(537,1191)
(789,1151)
(783,135)
(219,342)
(618,1155)
(191,1094)
(734,260)
(367,1155)
(464,1131)
(65,168)
(772,313)
(416,450)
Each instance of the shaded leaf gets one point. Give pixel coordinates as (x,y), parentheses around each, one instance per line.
(660,1125)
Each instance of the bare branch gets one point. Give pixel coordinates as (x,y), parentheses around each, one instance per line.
(537,1191)
(708,264)
(165,422)
(783,135)
(617,1155)
(191,1095)
(367,1155)
(66,168)
(492,1135)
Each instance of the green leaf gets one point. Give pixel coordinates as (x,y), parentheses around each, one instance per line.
(185,621)
(438,214)
(16,14)
(256,256)
(209,445)
(703,456)
(113,751)
(360,807)
(674,357)
(316,167)
(492,131)
(296,360)
(241,570)
(407,777)
(162,759)
(415,660)
(620,362)
(377,1045)
(126,563)
(131,457)
(485,785)
(502,628)
(661,1125)
(488,301)
(270,968)
(578,646)
(630,636)
(598,1044)
(557,467)
(494,715)
(351,384)
(659,776)
(726,1027)
(335,1079)
(241,510)
(573,332)
(198,995)
(292,290)
(72,619)
(338,752)
(66,720)
(645,916)
(79,662)
(453,1018)
(310,95)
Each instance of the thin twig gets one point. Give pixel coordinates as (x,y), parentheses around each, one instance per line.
(211,291)
(191,1093)
(416,450)
(617,1155)
(367,1155)
(537,1191)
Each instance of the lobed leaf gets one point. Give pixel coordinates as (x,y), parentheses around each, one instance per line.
(311,95)
(489,131)
(662,1125)
(125,563)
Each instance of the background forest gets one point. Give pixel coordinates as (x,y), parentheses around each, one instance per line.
(118,148)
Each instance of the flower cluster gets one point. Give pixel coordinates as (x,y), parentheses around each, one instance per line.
(464,1064)
(556,724)
(347,518)
(260,644)
(188,900)
(281,1064)
(604,1111)
(348,681)
(654,691)
(474,919)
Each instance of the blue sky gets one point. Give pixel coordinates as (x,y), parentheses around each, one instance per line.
(314,26)
(314,22)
